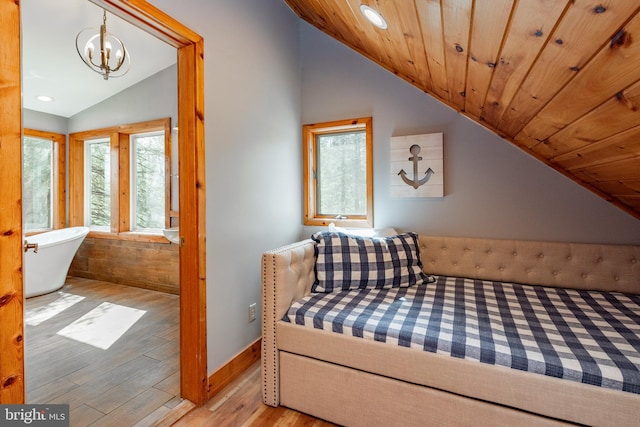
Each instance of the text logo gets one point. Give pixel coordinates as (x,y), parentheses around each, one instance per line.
(34,415)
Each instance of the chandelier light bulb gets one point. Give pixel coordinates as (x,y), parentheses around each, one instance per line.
(89,48)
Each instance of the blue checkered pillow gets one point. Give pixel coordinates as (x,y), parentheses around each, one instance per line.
(345,261)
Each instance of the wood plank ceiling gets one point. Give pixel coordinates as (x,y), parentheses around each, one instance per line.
(558,78)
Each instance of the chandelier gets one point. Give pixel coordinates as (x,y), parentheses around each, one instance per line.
(101,61)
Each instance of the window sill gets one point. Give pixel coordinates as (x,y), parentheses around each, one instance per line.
(38,231)
(346,223)
(130,235)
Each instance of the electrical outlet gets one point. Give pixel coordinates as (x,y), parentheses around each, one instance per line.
(252,312)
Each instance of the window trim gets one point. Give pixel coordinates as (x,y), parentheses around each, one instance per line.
(59,142)
(309,133)
(119,137)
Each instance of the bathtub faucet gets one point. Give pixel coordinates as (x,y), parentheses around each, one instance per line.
(28,246)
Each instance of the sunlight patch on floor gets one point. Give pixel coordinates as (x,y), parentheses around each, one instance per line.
(103,325)
(35,316)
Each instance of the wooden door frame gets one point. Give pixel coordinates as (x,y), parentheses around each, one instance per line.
(194,383)
(12,385)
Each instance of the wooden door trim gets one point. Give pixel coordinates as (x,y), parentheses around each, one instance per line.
(12,384)
(194,384)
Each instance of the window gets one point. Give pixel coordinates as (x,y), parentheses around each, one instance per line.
(43,204)
(98,184)
(148,181)
(338,173)
(119,180)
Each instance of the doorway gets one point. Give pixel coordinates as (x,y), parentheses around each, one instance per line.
(193,370)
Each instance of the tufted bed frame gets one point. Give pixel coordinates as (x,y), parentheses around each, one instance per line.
(351,381)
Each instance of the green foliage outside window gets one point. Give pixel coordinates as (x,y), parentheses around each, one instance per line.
(37,166)
(342,173)
(99,184)
(149,192)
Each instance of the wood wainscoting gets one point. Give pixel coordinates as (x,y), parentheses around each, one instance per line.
(147,265)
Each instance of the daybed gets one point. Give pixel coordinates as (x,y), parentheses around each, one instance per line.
(352,377)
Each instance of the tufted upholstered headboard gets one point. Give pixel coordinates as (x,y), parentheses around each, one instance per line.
(567,265)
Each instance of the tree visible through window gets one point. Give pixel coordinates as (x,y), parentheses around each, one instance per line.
(338,173)
(99,183)
(148,161)
(342,173)
(38,183)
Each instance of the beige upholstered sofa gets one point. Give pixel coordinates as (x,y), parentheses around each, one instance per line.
(357,382)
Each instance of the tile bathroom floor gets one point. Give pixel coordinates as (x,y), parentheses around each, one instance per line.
(109,351)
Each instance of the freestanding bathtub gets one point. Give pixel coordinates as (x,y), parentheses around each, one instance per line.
(46,270)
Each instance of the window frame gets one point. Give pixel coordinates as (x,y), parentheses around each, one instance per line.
(120,142)
(58,201)
(309,132)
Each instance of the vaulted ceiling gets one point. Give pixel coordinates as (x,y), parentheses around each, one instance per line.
(558,78)
(51,65)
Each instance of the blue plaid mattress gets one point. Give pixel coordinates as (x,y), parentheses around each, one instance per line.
(585,336)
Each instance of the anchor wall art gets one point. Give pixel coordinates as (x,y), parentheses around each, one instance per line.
(417,166)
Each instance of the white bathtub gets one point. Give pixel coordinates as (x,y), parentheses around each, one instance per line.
(46,270)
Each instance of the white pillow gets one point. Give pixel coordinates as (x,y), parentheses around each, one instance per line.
(364,232)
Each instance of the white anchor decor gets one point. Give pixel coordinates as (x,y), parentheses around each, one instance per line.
(416,166)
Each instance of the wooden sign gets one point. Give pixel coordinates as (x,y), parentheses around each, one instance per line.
(417,166)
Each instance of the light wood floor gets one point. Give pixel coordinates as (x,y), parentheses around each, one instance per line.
(240,404)
(136,381)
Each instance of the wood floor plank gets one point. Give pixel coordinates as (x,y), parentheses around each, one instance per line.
(195,418)
(166,351)
(245,380)
(154,418)
(128,388)
(135,409)
(172,417)
(99,387)
(51,369)
(84,416)
(49,390)
(170,384)
(239,405)
(104,364)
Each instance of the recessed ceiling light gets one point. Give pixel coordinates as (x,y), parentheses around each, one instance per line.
(44,98)
(373,16)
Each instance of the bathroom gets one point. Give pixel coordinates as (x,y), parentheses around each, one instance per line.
(124,272)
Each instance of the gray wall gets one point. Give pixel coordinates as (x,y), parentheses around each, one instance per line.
(156,97)
(252,144)
(44,122)
(492,189)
